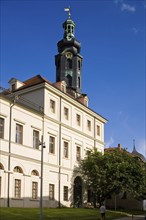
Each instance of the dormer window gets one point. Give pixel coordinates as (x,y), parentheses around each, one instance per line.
(13,87)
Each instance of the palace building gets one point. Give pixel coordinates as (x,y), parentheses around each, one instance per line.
(45,130)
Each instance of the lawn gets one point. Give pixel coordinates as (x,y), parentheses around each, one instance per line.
(55,214)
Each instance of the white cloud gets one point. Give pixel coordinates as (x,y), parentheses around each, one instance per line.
(127,7)
(109,142)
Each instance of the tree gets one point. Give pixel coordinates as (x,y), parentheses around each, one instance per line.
(112,173)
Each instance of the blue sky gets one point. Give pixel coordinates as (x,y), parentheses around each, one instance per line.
(112,36)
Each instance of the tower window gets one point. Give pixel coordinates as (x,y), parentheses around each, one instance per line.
(58,63)
(79,64)
(79,83)
(69,64)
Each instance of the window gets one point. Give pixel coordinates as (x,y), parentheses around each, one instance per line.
(79,64)
(35,139)
(78,117)
(0,186)
(18,169)
(78,153)
(17,188)
(88,152)
(35,173)
(19,134)
(1,127)
(98,130)
(79,83)
(51,191)
(89,125)
(1,166)
(65,193)
(34,190)
(52,106)
(65,149)
(13,87)
(52,145)
(66,113)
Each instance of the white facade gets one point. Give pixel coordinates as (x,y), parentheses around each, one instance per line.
(72,128)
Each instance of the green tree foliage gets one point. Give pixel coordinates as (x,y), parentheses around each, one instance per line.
(112,173)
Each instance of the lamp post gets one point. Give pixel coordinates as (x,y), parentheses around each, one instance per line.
(41,182)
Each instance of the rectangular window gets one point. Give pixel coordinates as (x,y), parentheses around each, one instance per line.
(52,145)
(52,106)
(0,186)
(65,193)
(98,130)
(65,149)
(17,188)
(34,190)
(66,113)
(19,133)
(89,125)
(1,127)
(78,153)
(35,139)
(78,117)
(51,191)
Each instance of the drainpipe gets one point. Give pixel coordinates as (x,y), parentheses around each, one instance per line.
(59,182)
(9,155)
(41,177)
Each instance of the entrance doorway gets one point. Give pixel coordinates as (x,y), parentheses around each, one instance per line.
(78,192)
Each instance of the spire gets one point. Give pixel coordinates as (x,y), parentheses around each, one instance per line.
(134,148)
(68,26)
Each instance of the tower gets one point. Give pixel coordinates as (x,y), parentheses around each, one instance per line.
(68,61)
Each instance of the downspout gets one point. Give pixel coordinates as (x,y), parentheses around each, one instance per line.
(9,155)
(59,181)
(94,135)
(41,179)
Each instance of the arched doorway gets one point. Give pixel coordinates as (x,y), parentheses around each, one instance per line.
(78,192)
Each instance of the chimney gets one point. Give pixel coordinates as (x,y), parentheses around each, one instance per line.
(119,146)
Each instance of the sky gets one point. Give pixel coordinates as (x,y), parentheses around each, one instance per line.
(113,45)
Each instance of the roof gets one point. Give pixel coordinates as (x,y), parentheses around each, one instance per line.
(137,154)
(134,153)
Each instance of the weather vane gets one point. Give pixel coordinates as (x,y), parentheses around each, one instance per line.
(68,10)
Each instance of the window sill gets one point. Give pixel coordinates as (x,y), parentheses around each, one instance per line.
(37,200)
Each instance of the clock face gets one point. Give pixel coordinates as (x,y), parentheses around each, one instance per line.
(69,38)
(68,55)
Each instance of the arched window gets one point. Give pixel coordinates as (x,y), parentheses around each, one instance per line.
(69,80)
(18,169)
(69,64)
(35,173)
(1,166)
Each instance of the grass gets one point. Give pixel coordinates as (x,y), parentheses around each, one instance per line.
(56,214)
